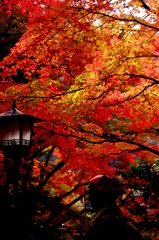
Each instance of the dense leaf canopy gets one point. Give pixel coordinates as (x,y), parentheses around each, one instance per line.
(90,70)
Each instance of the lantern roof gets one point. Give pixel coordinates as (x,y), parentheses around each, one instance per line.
(11,113)
(15,113)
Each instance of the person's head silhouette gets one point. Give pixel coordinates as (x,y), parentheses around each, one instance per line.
(108,222)
(104,190)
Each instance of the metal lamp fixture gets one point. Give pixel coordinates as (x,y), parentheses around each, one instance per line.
(16,131)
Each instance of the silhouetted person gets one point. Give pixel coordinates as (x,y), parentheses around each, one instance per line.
(108,222)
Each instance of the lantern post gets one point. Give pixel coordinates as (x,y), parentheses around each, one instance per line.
(16,132)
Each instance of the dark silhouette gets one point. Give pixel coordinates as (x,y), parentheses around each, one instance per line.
(108,222)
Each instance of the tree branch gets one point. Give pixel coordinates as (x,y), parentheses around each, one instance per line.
(123,19)
(50,174)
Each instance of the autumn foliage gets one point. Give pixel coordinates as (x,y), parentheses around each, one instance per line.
(90,70)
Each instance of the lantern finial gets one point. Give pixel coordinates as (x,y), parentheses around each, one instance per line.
(13,105)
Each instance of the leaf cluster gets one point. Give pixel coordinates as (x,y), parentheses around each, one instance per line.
(140,200)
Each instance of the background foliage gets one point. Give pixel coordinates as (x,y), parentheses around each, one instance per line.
(90,70)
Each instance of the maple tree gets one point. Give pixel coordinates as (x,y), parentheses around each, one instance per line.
(90,70)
